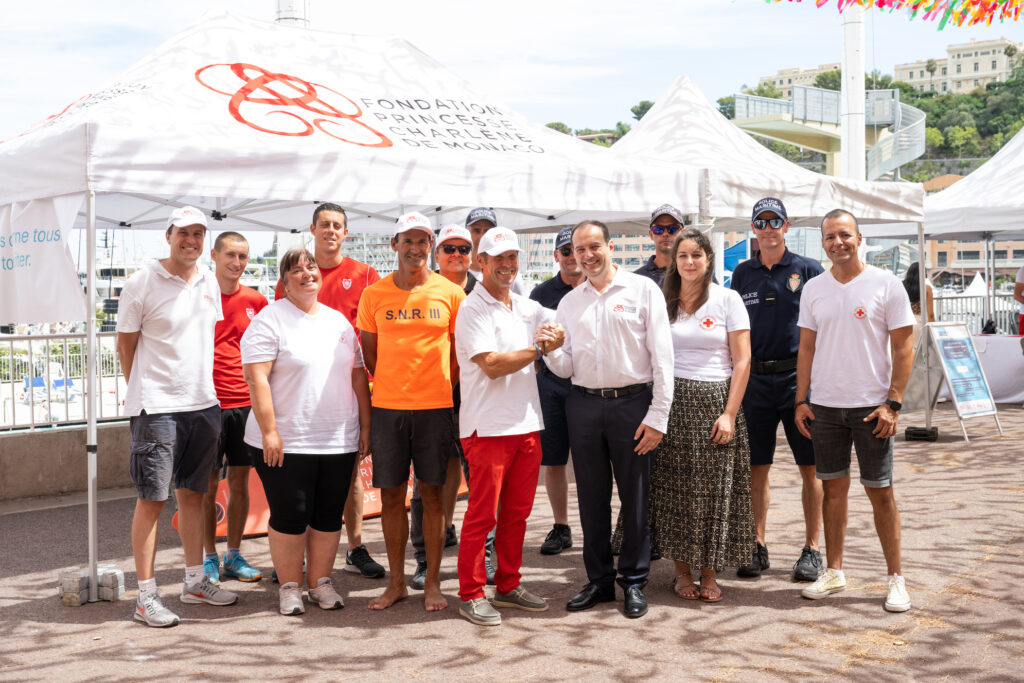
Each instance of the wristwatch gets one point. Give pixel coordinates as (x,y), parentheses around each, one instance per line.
(895,405)
(800,403)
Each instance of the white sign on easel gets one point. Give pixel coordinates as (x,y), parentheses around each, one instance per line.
(962,371)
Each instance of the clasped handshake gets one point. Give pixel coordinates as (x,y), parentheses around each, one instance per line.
(550,336)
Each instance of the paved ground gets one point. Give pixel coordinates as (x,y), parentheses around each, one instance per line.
(963,535)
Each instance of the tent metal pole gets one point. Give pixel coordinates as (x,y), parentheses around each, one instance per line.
(91,391)
(923,298)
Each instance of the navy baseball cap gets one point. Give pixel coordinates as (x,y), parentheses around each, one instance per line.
(481,213)
(564,238)
(668,210)
(769,204)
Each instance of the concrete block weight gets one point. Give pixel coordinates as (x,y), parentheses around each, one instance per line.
(73,584)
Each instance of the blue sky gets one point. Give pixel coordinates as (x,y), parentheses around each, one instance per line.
(581,62)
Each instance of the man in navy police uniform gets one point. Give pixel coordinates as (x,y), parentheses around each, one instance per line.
(770,284)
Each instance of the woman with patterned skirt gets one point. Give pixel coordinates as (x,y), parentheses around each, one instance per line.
(700,508)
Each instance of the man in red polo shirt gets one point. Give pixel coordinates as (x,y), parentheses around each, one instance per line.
(230,255)
(342,285)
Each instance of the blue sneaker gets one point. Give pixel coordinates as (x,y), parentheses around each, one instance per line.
(211,568)
(238,568)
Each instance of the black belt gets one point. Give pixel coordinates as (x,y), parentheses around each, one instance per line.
(772,367)
(614,393)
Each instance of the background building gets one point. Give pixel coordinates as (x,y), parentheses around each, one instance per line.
(965,67)
(785,79)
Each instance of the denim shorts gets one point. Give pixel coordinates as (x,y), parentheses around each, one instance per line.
(835,430)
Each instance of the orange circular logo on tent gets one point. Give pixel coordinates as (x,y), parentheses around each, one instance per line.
(295,107)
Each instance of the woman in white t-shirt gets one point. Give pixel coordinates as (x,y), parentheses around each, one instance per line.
(700,510)
(309,425)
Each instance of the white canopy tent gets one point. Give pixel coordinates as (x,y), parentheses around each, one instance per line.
(254,123)
(684,127)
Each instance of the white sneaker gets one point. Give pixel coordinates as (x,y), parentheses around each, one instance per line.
(897,600)
(325,596)
(204,591)
(829,581)
(153,613)
(290,596)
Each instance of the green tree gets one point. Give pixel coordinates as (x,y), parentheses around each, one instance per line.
(765,90)
(1010,51)
(641,108)
(933,141)
(876,80)
(622,128)
(931,66)
(829,80)
(963,140)
(727,105)
(560,127)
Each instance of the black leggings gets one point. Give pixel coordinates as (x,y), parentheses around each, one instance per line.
(307,490)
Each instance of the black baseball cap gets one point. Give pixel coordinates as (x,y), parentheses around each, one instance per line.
(564,238)
(769,204)
(481,213)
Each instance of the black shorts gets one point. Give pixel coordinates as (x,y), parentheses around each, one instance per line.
(554,439)
(173,451)
(424,439)
(307,490)
(231,449)
(768,400)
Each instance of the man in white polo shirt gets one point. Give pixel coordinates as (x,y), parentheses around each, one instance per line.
(500,427)
(165,340)
(856,351)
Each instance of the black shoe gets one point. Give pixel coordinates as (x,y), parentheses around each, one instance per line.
(419,579)
(450,537)
(809,566)
(358,561)
(757,564)
(591,595)
(559,538)
(489,563)
(636,603)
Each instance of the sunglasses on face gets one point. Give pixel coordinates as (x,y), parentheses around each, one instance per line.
(671,228)
(773,223)
(451,249)
(565,251)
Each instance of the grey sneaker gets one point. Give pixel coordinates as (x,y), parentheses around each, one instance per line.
(419,579)
(204,591)
(520,598)
(809,566)
(325,596)
(290,599)
(480,612)
(153,613)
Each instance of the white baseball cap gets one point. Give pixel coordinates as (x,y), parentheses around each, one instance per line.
(186,215)
(497,241)
(414,220)
(453,231)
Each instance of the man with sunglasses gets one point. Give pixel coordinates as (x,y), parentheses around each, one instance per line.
(770,284)
(666,221)
(554,439)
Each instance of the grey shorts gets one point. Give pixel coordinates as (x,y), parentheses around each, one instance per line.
(173,451)
(835,430)
(422,438)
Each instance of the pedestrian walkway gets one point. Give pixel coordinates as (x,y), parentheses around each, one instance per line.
(963,537)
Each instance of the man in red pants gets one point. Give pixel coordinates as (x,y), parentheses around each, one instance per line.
(498,337)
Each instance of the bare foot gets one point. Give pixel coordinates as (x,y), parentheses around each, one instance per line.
(390,596)
(432,598)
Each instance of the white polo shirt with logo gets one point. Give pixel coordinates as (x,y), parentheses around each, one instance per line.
(172,371)
(508,405)
(852,366)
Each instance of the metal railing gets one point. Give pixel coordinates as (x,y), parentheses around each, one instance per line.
(971,311)
(750,106)
(905,144)
(42,380)
(816,104)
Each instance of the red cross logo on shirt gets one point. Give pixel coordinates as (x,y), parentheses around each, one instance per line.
(860,313)
(707,323)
